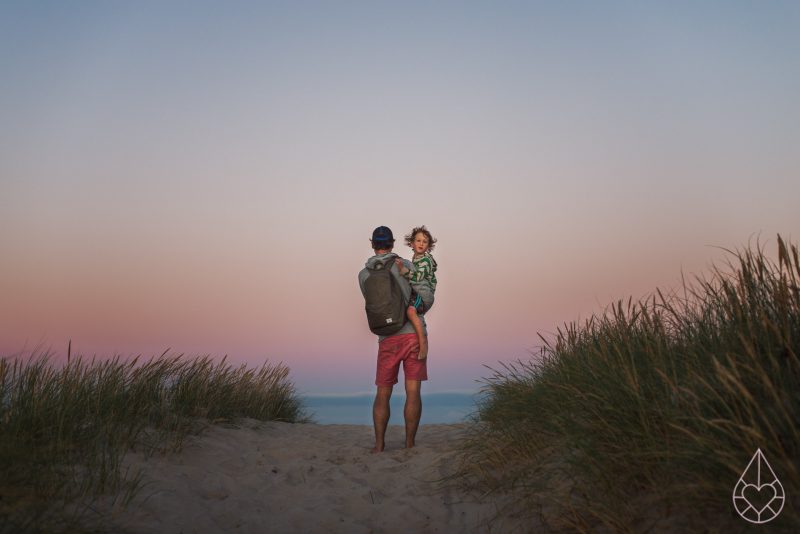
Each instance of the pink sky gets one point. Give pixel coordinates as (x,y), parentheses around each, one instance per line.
(208,183)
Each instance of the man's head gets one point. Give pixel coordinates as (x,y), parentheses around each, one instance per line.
(382,238)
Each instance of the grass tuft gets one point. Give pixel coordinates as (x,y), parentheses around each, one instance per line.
(645,416)
(64,430)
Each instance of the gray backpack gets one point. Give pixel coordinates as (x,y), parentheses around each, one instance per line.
(383,300)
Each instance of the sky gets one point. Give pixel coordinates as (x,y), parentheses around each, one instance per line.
(203,177)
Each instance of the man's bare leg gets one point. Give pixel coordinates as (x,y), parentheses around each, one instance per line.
(380,416)
(413,316)
(412,410)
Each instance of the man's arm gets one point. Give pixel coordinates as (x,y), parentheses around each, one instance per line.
(423,289)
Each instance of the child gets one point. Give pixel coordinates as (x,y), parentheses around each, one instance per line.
(421,242)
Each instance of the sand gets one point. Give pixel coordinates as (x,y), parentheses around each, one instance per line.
(281,477)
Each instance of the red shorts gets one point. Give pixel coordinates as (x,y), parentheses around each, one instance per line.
(395,349)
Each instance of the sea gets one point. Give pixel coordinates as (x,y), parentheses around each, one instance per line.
(357,409)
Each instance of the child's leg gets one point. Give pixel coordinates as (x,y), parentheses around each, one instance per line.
(423,339)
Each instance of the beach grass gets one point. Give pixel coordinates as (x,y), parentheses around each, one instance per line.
(645,416)
(64,429)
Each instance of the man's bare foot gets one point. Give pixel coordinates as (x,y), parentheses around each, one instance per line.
(376,449)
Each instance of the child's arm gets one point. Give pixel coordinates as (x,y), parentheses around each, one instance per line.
(403,270)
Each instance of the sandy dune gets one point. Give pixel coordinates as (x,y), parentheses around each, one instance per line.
(280,477)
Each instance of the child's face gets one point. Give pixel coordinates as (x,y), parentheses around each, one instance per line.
(420,244)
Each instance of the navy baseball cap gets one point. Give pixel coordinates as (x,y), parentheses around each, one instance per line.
(382,235)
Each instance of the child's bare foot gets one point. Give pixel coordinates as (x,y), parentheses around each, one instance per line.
(376,449)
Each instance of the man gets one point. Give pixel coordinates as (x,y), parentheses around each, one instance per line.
(400,347)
